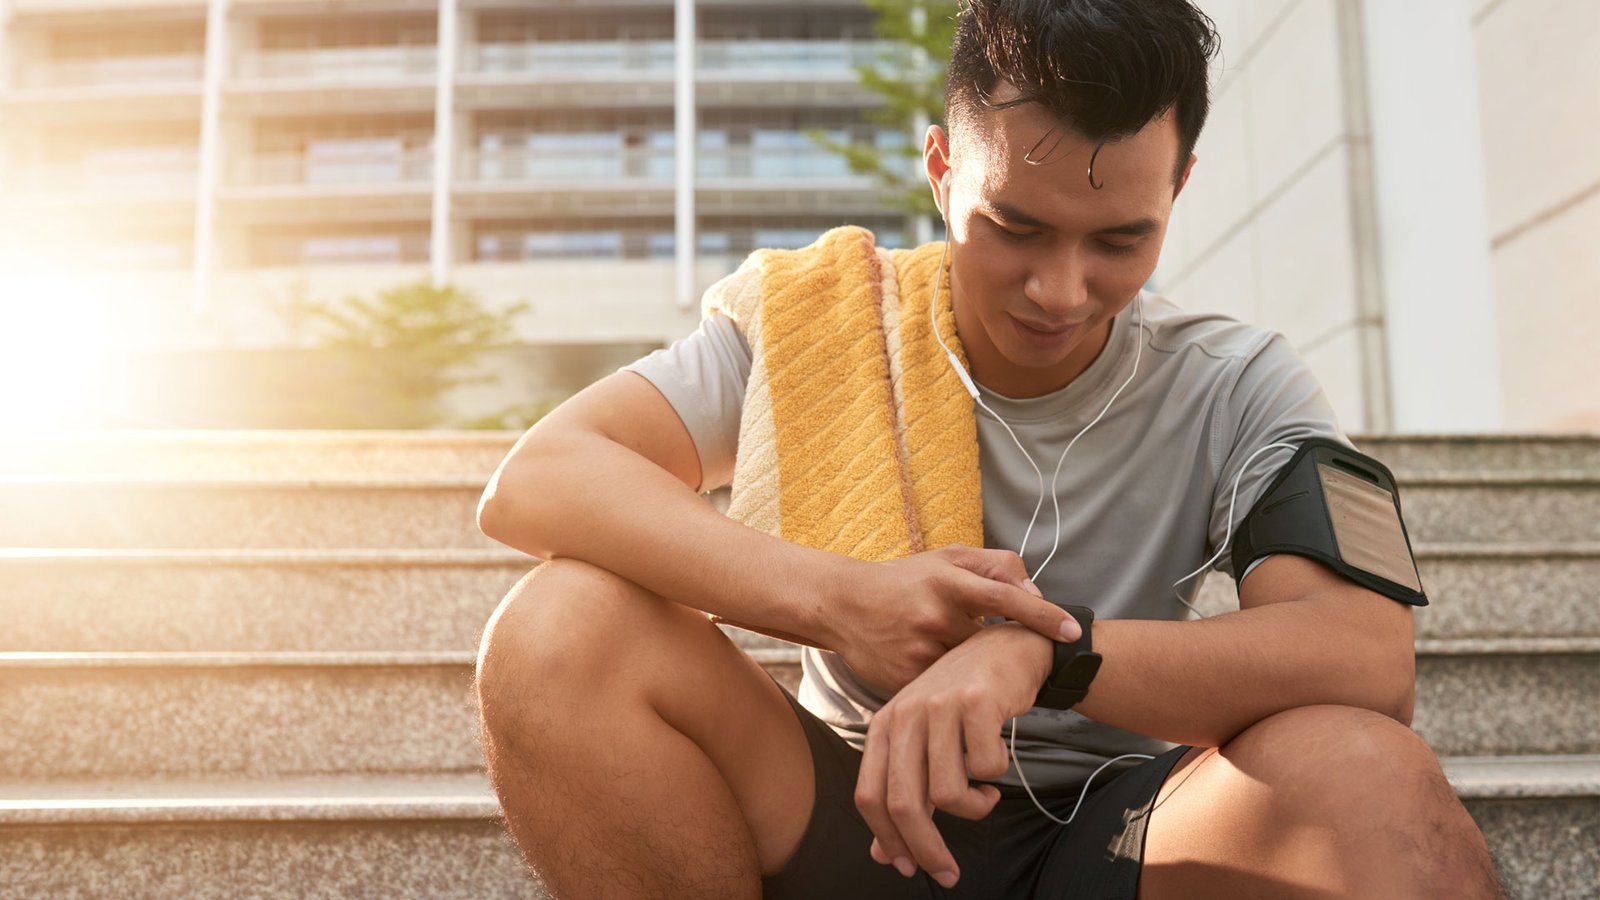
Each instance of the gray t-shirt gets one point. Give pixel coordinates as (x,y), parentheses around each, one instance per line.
(1144,494)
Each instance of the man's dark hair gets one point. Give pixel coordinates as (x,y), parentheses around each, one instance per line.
(1103,68)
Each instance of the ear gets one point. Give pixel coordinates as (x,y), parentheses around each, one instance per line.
(1185,178)
(936,163)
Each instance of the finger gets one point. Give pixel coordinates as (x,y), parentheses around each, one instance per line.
(996,565)
(948,786)
(987,757)
(908,799)
(989,597)
(872,797)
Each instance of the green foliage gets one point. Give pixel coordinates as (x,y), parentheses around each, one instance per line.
(389,360)
(909,75)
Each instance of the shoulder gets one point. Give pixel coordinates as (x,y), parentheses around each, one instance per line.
(789,276)
(1249,372)
(1171,329)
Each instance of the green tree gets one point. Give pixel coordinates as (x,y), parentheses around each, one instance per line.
(390,359)
(909,76)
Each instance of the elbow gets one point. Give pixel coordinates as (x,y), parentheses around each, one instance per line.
(491,510)
(1394,693)
(497,513)
(1402,700)
(488,512)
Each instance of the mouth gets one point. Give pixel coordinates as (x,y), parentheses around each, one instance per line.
(1040,334)
(1041,328)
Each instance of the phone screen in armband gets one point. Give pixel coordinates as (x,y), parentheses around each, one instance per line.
(1366,526)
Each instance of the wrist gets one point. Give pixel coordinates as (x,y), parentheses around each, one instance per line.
(828,588)
(1032,649)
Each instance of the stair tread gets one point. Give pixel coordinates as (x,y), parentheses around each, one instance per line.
(506,555)
(382,556)
(1452,477)
(468,795)
(761,648)
(453,795)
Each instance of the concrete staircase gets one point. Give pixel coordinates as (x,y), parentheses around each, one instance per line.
(239,664)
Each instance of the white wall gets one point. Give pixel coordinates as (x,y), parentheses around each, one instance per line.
(1539,87)
(1283,221)
(1273,225)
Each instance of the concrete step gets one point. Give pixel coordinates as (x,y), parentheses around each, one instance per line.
(251,600)
(194,715)
(71,715)
(1487,590)
(422,837)
(1502,507)
(115,715)
(241,513)
(1513,696)
(1540,816)
(1495,507)
(442,835)
(476,454)
(373,600)
(1407,455)
(284,455)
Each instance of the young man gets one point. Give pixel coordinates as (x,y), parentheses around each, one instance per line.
(637,752)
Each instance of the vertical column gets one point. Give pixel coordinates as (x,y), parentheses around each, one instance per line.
(5,87)
(210,153)
(1432,216)
(441,246)
(1366,253)
(922,225)
(685,127)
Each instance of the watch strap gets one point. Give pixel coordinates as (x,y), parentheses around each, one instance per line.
(1073,665)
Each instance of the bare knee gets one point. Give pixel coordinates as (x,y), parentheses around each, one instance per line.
(1339,761)
(548,635)
(1363,777)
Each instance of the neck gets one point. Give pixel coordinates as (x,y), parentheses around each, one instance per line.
(998,374)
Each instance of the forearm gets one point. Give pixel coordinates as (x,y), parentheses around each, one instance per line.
(1203,682)
(583,496)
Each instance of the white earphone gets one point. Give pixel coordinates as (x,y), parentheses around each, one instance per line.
(972,388)
(966,380)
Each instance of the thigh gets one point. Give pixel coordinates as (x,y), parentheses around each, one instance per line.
(1099,855)
(577,641)
(1306,803)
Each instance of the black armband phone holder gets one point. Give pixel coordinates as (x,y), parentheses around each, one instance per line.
(1340,508)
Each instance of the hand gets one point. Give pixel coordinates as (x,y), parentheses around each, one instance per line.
(892,619)
(914,760)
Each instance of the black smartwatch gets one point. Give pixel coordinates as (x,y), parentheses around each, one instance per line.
(1073,667)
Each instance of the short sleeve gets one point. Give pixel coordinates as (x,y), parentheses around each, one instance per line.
(1275,400)
(703,377)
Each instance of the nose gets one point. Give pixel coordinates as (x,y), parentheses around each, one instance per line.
(1058,284)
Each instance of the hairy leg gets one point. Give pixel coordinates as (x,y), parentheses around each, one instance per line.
(636,751)
(1317,802)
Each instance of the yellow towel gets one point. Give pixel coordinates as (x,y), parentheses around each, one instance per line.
(857,437)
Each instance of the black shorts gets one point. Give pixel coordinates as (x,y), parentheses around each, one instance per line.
(1013,853)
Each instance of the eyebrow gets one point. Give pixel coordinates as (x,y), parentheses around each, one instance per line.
(1136,228)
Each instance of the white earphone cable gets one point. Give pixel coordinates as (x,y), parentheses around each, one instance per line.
(1138,324)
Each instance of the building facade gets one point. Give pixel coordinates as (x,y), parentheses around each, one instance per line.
(200,159)
(1405,190)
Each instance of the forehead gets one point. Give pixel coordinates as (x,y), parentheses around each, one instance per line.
(991,152)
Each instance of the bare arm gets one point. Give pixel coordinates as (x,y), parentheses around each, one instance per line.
(1303,635)
(610,477)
